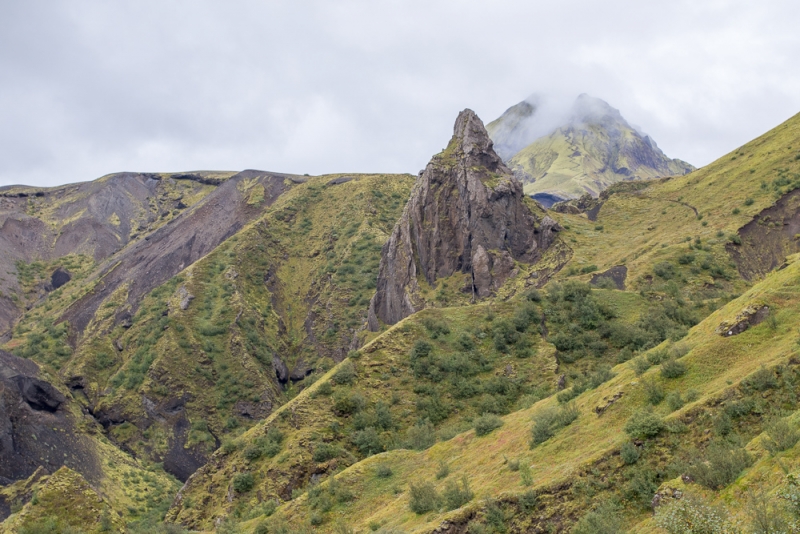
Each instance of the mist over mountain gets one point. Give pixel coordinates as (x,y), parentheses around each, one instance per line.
(563,151)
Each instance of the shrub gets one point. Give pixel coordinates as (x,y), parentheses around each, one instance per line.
(346,373)
(528,501)
(435,327)
(767,515)
(629,453)
(664,270)
(423,498)
(656,357)
(720,466)
(346,402)
(325,451)
(383,471)
(641,486)
(640,365)
(761,380)
(605,519)
(525,475)
(675,401)
(465,342)
(421,349)
(781,436)
(252,453)
(486,424)
(443,471)
(748,201)
(243,482)
(550,420)
(367,441)
(690,515)
(653,392)
(420,436)
(324,389)
(504,334)
(673,369)
(457,493)
(644,425)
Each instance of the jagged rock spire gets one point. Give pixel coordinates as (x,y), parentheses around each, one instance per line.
(465,214)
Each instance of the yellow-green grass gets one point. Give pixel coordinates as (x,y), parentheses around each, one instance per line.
(641,228)
(383,375)
(714,363)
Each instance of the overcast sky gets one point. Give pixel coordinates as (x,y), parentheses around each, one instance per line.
(93,87)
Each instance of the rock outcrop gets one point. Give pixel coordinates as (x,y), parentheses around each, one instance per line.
(37,428)
(466,214)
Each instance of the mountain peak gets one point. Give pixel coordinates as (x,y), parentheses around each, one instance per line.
(589,109)
(581,148)
(465,214)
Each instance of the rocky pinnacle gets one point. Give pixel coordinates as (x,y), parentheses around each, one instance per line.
(466,214)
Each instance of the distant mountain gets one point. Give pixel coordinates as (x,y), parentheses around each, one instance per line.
(592,148)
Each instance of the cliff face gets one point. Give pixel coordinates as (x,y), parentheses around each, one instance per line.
(466,214)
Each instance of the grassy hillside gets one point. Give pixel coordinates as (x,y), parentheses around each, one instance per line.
(652,354)
(286,296)
(573,161)
(678,272)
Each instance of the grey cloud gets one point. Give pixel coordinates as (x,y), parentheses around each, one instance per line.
(90,87)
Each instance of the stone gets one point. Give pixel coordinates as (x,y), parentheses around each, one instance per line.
(467,213)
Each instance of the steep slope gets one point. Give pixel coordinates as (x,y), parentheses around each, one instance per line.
(670,253)
(466,214)
(593,148)
(170,372)
(90,221)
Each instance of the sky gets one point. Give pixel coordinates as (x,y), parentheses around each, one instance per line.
(90,87)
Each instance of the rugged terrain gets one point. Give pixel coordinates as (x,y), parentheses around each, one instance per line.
(354,353)
(593,148)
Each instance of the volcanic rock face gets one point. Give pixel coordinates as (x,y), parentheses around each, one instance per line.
(466,214)
(36,427)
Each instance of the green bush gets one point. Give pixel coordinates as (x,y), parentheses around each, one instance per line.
(653,392)
(325,451)
(720,465)
(641,486)
(551,420)
(457,494)
(486,424)
(367,441)
(383,471)
(346,402)
(423,498)
(781,436)
(443,471)
(761,380)
(346,373)
(644,424)
(435,327)
(673,369)
(420,436)
(690,515)
(664,270)
(629,453)
(243,482)
(605,519)
(640,365)
(675,401)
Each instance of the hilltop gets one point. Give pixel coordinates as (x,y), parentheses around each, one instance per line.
(591,148)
